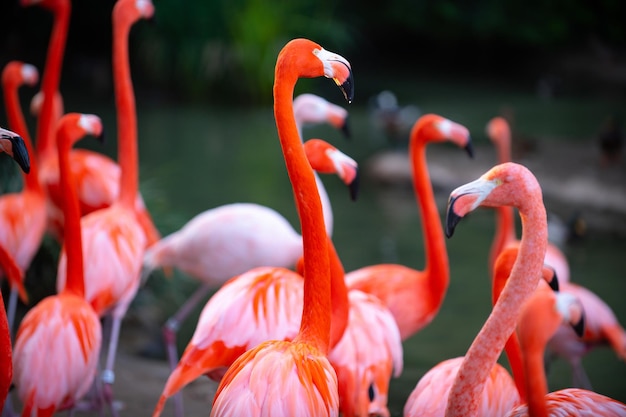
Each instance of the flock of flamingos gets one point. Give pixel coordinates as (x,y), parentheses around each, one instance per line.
(288,333)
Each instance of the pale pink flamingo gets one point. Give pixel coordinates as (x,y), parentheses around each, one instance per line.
(476,384)
(541,316)
(294,377)
(415,296)
(58,342)
(98,175)
(499,133)
(601,329)
(113,241)
(13,145)
(22,214)
(228,240)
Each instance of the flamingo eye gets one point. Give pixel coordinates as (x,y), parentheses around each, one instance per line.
(370,392)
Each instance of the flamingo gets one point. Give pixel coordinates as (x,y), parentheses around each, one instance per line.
(265,303)
(58,342)
(113,241)
(98,176)
(499,133)
(541,316)
(13,145)
(414,297)
(302,380)
(14,274)
(228,240)
(22,214)
(476,384)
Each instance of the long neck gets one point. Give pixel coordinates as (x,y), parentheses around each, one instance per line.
(126,115)
(17,124)
(536,383)
(338,296)
(315,326)
(504,234)
(512,347)
(50,83)
(436,268)
(484,352)
(72,232)
(505,215)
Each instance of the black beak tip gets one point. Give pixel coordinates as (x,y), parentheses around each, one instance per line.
(554,283)
(354,187)
(346,129)
(20,153)
(452,219)
(469,148)
(101,137)
(348,88)
(579,327)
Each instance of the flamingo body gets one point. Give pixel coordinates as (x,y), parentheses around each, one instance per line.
(245,386)
(58,342)
(226,241)
(430,396)
(366,357)
(113,244)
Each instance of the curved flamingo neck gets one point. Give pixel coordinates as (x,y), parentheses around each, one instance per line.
(16,122)
(126,112)
(505,232)
(71,212)
(436,267)
(46,141)
(537,385)
(468,385)
(315,326)
(338,296)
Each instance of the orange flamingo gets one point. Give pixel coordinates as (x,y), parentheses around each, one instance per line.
(98,176)
(414,297)
(542,315)
(22,214)
(472,387)
(213,250)
(13,145)
(58,342)
(113,241)
(499,132)
(302,380)
(14,273)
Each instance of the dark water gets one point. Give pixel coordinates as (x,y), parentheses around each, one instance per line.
(196,158)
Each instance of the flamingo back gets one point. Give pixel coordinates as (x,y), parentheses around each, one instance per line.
(59,340)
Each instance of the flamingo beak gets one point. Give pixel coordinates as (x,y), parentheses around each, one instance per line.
(20,153)
(347,87)
(469,148)
(354,186)
(345,129)
(579,327)
(452,219)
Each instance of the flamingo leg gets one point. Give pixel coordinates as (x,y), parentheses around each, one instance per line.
(108,374)
(11,309)
(170,330)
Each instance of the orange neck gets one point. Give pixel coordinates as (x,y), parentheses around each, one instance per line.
(71,212)
(436,268)
(18,125)
(126,111)
(338,296)
(502,269)
(51,79)
(315,326)
(482,355)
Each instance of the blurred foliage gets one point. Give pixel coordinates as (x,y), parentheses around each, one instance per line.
(224,51)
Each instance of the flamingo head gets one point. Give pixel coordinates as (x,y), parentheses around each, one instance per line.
(13,144)
(435,128)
